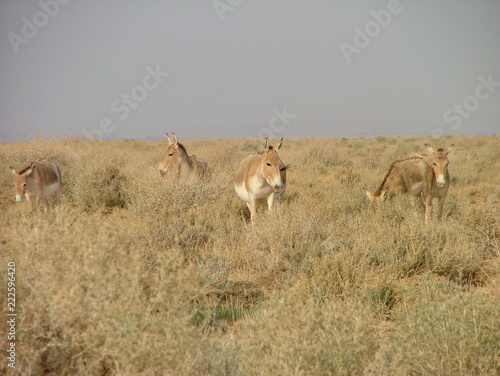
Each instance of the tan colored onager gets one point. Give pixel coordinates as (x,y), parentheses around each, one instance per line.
(38,181)
(177,160)
(261,178)
(426,176)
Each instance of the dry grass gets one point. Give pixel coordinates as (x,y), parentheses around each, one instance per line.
(137,275)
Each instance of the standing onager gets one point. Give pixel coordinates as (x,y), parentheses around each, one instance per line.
(38,181)
(177,159)
(422,175)
(261,178)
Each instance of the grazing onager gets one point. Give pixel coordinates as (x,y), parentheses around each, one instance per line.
(426,176)
(177,159)
(38,181)
(261,178)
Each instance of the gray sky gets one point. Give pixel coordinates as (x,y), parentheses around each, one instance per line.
(253,68)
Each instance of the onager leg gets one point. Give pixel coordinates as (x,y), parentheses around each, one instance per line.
(33,202)
(42,202)
(428,208)
(58,198)
(440,208)
(252,206)
(270,201)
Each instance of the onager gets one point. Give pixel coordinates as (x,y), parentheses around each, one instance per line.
(426,176)
(38,181)
(177,159)
(261,178)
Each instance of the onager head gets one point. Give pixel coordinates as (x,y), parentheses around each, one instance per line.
(175,157)
(272,167)
(20,181)
(438,161)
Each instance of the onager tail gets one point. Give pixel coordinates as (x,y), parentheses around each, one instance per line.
(379,195)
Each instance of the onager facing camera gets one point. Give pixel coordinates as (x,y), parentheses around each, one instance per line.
(179,162)
(426,176)
(38,181)
(261,178)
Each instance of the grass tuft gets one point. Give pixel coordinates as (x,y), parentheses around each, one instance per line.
(138,274)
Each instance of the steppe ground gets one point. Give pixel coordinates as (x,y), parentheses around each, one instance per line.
(135,274)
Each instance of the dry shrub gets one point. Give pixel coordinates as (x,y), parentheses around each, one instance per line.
(454,334)
(84,309)
(102,188)
(175,280)
(297,336)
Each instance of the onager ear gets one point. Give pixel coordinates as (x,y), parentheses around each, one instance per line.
(447,150)
(13,170)
(430,148)
(266,144)
(29,171)
(279,144)
(170,142)
(174,137)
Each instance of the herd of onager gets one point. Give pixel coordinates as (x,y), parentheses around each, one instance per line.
(260,178)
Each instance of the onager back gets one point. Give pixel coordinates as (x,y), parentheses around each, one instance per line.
(261,178)
(38,181)
(426,176)
(176,159)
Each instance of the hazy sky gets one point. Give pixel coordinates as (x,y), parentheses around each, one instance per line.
(253,68)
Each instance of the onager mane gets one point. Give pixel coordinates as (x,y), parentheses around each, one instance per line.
(25,168)
(390,170)
(181,147)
